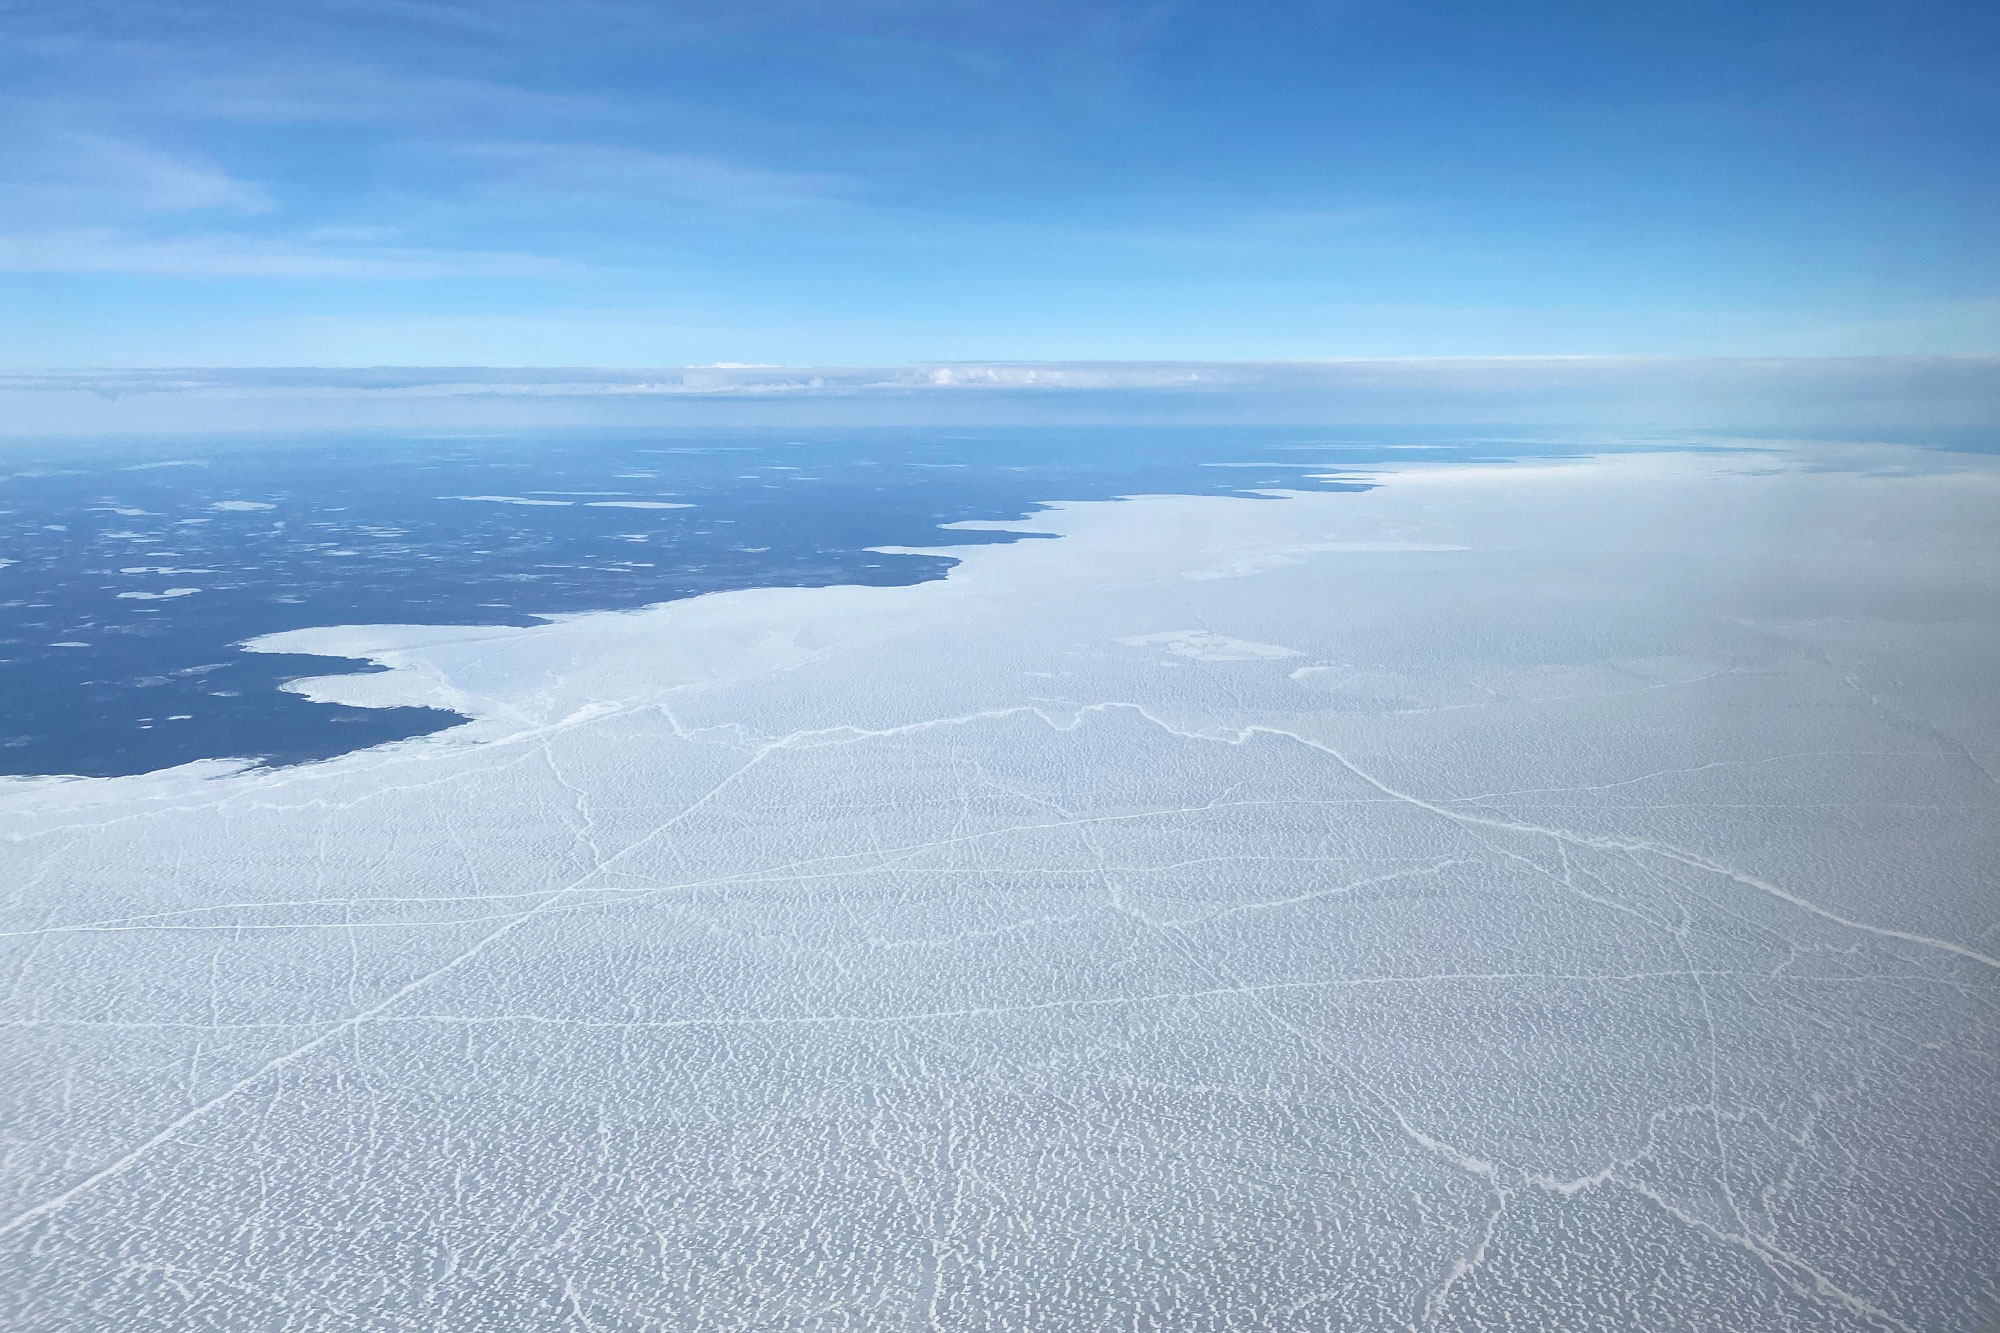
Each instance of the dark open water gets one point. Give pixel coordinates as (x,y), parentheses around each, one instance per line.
(136,567)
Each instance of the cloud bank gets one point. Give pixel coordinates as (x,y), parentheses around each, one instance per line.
(1855,393)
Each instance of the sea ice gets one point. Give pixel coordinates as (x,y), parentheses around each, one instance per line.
(510,500)
(162,595)
(1203,646)
(638,504)
(1606,937)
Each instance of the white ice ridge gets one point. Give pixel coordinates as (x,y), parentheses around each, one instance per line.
(1204,646)
(162,595)
(510,500)
(1552,895)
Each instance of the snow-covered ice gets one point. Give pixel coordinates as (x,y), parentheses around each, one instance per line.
(511,500)
(1535,896)
(162,595)
(1205,646)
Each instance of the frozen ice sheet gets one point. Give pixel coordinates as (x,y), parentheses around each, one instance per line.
(1552,896)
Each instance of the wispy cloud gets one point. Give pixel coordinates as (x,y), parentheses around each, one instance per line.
(230,255)
(1704,393)
(587,173)
(156,181)
(73,174)
(890,179)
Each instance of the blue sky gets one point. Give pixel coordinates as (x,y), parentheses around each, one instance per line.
(356,182)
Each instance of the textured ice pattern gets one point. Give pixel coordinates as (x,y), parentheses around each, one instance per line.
(1523,897)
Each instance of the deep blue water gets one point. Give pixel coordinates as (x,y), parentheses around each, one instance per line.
(136,567)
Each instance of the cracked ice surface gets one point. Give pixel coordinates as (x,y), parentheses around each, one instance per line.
(1516,897)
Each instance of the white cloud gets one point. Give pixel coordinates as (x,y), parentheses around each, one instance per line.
(75,175)
(233,255)
(572,172)
(1607,393)
(163,183)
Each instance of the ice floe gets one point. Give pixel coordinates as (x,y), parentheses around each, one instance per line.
(1544,896)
